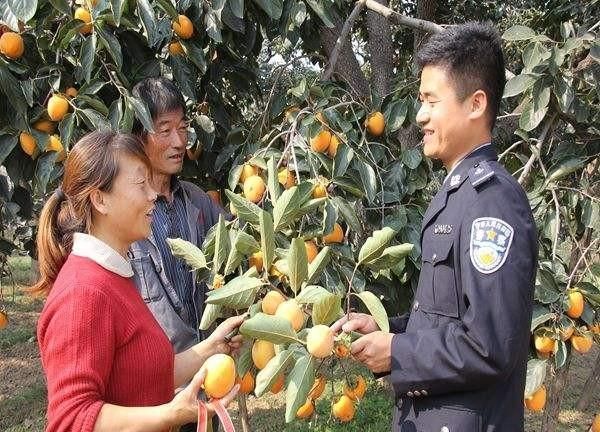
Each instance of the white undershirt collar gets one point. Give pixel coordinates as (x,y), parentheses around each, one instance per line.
(88,246)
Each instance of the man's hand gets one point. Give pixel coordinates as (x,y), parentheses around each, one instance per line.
(374,350)
(359,322)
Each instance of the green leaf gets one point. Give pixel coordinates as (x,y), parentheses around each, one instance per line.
(375,245)
(564,169)
(565,94)
(244,362)
(327,309)
(65,128)
(222,245)
(412,158)
(93,119)
(267,238)
(518,84)
(112,45)
(297,264)
(61,6)
(518,33)
(342,160)
(235,257)
(311,294)
(277,366)
(348,213)
(300,381)
(288,204)
(376,309)
(541,314)
(246,210)
(533,55)
(7,144)
(245,243)
(390,257)
(560,357)
(86,56)
(209,315)
(237,7)
(23,9)
(238,293)
(187,251)
(316,267)
(148,18)
(395,114)
(368,179)
(13,91)
(168,7)
(271,328)
(117,10)
(196,55)
(530,117)
(536,374)
(142,113)
(273,8)
(272,181)
(318,6)
(43,169)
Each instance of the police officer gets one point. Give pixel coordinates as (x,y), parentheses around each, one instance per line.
(457,361)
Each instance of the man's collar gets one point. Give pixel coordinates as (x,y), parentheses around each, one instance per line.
(459,172)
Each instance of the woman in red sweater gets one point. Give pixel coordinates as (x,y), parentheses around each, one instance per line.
(108,364)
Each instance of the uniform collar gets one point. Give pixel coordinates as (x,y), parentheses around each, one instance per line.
(459,172)
(88,246)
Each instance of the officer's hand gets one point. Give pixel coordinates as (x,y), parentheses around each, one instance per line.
(374,350)
(359,322)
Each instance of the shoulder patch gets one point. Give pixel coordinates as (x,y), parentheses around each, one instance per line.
(481,173)
(490,243)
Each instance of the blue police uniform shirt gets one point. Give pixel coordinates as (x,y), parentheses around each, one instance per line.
(459,356)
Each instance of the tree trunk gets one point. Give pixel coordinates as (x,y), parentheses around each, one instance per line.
(426,10)
(347,68)
(554,401)
(241,400)
(380,51)
(589,388)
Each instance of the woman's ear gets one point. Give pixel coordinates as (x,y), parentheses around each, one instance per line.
(99,202)
(478,105)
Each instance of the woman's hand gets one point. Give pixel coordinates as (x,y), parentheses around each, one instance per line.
(221,340)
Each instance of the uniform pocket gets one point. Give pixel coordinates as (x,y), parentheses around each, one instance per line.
(146,278)
(446,419)
(440,294)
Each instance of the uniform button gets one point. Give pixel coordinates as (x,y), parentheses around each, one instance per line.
(445,429)
(409,394)
(424,392)
(417,393)
(416,306)
(434,257)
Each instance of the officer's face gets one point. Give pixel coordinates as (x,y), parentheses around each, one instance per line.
(442,117)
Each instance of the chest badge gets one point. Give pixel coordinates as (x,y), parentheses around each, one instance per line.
(442,229)
(490,243)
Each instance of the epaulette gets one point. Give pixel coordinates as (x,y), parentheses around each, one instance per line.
(481,173)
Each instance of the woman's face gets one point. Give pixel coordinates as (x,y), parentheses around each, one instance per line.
(130,202)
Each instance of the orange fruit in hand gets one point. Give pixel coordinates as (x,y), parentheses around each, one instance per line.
(319,341)
(537,400)
(84,15)
(343,409)
(375,123)
(271,302)
(290,310)
(246,383)
(248,171)
(317,388)
(175,48)
(575,304)
(335,236)
(278,384)
(320,142)
(544,344)
(262,352)
(44,125)
(11,45)
(254,188)
(58,107)
(286,177)
(333,146)
(311,250)
(220,375)
(183,27)
(28,143)
(306,410)
(582,343)
(358,391)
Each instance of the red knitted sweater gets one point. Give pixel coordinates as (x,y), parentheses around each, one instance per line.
(100,344)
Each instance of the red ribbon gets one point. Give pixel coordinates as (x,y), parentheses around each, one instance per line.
(221,412)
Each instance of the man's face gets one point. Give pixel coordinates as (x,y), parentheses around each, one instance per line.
(442,116)
(166,145)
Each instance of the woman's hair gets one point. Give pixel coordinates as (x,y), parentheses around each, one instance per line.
(92,164)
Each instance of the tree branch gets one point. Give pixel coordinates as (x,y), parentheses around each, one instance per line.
(398,18)
(534,154)
(339,44)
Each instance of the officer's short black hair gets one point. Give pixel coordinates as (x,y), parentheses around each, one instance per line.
(160,95)
(472,54)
